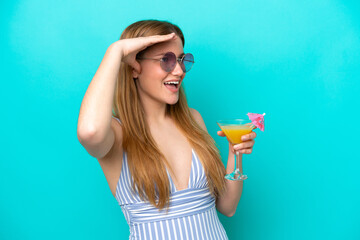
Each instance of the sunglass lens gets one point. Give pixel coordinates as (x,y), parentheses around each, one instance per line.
(188,62)
(168,62)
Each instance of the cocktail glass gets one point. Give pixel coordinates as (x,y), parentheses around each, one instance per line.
(234,129)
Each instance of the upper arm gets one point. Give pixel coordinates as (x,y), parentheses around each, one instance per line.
(100,148)
(196,115)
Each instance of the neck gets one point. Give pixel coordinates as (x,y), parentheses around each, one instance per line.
(155,111)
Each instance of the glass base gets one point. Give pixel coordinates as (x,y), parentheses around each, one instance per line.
(236,176)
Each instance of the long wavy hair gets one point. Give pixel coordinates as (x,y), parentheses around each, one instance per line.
(146,163)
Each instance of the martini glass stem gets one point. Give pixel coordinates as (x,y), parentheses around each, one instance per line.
(236,164)
(237,170)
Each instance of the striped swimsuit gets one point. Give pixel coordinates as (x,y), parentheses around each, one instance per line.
(191,215)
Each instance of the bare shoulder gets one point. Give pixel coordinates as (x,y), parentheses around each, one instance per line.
(198,118)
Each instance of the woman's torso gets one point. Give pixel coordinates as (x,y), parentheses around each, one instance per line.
(192,213)
(173,145)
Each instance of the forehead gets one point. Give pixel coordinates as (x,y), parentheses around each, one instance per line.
(174,46)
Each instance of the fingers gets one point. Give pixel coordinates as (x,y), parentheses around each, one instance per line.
(249,136)
(221,133)
(160,38)
(246,151)
(245,147)
(131,46)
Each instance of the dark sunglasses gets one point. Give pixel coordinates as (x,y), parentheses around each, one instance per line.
(168,61)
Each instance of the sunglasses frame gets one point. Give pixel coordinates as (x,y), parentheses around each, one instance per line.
(178,59)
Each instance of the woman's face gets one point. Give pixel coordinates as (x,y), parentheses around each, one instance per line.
(151,80)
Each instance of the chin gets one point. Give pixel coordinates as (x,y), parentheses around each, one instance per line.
(174,101)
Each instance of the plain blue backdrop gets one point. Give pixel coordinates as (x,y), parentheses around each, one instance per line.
(297,61)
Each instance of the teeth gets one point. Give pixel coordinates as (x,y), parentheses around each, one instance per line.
(177,82)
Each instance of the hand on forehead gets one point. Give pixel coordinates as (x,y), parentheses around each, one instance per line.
(174,45)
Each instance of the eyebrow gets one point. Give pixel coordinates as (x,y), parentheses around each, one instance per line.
(165,52)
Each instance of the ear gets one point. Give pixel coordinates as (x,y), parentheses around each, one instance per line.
(135,74)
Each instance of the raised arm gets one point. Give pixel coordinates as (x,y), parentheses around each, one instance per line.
(95,128)
(94,123)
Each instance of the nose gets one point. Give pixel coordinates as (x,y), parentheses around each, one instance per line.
(177,70)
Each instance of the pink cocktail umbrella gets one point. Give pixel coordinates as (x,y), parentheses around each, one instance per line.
(257,120)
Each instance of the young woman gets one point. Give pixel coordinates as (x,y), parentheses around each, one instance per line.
(161,164)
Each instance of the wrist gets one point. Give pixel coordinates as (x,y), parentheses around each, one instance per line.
(116,48)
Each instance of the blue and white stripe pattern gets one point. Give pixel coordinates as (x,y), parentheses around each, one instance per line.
(191,214)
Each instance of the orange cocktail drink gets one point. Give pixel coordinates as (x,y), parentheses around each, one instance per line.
(235,132)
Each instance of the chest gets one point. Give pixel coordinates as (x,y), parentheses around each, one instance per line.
(178,153)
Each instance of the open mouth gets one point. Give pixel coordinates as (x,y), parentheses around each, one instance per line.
(172,85)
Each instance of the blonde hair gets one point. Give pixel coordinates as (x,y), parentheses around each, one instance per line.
(146,163)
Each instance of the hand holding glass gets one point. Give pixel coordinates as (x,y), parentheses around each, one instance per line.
(234,130)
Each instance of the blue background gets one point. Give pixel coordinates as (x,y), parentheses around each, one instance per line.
(297,61)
